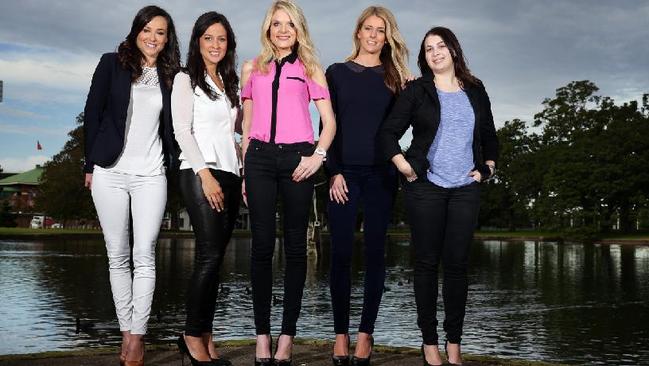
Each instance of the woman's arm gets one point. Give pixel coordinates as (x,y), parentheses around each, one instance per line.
(246,71)
(182,111)
(488,141)
(489,138)
(95,104)
(309,165)
(393,128)
(246,106)
(332,165)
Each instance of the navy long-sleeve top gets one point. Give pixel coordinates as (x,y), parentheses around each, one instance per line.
(361,101)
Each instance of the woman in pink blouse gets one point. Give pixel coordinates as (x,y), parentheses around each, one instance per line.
(280,159)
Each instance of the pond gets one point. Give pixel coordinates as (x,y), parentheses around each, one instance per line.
(573,303)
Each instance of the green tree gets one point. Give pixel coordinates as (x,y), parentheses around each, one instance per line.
(7,219)
(593,154)
(585,170)
(506,197)
(62,194)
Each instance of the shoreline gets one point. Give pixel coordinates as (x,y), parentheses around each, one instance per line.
(307,351)
(516,236)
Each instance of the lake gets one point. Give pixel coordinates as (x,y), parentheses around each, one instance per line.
(573,303)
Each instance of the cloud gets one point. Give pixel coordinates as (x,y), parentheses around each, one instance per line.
(22,164)
(58,70)
(18,113)
(7,128)
(523,50)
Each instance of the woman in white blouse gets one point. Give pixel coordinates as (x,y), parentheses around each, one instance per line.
(204,105)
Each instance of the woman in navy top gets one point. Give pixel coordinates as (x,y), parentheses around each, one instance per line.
(454,147)
(362,91)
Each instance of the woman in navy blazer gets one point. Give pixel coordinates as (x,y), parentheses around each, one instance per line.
(128,143)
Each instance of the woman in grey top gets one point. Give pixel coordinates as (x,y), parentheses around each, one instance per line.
(454,148)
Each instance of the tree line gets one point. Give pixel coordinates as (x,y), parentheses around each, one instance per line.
(580,166)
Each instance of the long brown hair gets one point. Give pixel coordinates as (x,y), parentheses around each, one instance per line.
(226,67)
(394,54)
(462,72)
(130,57)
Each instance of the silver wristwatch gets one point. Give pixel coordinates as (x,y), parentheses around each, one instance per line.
(322,152)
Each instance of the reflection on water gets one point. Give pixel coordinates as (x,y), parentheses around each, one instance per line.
(573,303)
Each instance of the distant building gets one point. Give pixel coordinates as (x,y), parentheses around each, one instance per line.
(20,190)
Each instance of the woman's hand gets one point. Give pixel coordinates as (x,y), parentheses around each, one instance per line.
(476,175)
(405,168)
(338,189)
(408,79)
(211,189)
(244,195)
(87,182)
(307,167)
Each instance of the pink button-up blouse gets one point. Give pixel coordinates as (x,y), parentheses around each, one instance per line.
(280,112)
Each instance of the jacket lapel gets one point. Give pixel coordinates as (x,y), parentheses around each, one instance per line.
(123,92)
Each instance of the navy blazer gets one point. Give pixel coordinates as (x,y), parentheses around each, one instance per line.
(418,105)
(104,118)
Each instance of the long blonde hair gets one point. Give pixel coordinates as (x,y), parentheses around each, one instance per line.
(394,55)
(303,44)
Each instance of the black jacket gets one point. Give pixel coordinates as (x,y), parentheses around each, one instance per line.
(104,119)
(418,105)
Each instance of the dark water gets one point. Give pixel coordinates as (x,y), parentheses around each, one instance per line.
(572,303)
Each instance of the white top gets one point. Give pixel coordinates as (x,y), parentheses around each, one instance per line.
(142,151)
(204,128)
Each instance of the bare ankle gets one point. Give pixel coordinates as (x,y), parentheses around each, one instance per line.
(284,347)
(341,345)
(262,348)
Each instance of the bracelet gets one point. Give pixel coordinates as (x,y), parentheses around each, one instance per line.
(322,152)
(492,169)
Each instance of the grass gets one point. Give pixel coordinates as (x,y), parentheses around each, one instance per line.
(636,236)
(27,232)
(19,231)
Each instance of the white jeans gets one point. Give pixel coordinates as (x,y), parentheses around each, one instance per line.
(112,193)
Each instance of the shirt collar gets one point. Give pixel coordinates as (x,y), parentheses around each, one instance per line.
(290,58)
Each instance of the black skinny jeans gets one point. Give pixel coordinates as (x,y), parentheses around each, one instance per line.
(213,231)
(268,173)
(374,187)
(442,222)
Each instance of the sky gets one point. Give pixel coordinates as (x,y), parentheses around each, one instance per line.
(522,50)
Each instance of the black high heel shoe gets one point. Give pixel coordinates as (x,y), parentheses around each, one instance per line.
(221,362)
(446,350)
(423,355)
(286,362)
(364,361)
(342,360)
(266,361)
(182,346)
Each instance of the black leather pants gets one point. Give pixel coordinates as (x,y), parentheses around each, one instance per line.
(213,230)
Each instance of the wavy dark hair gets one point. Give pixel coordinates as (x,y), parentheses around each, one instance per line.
(227,66)
(168,62)
(462,71)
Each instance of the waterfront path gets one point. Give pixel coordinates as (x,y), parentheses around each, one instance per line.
(305,354)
